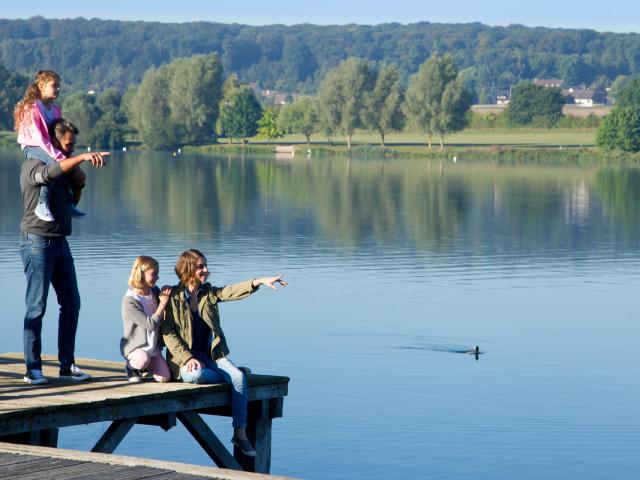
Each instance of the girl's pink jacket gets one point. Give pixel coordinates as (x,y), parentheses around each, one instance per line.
(34,132)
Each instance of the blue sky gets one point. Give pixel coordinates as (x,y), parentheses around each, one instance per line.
(613,15)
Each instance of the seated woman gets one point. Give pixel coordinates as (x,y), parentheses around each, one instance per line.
(143,309)
(197,350)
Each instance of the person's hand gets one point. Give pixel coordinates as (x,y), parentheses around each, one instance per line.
(165,291)
(194,364)
(96,158)
(270,281)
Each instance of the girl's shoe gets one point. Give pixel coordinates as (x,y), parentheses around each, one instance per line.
(77,213)
(133,375)
(43,213)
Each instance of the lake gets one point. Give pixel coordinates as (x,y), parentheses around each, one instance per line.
(394,267)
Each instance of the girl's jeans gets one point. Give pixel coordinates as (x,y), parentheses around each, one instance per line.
(40,154)
(223,370)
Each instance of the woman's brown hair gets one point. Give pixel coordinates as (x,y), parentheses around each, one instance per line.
(31,95)
(187,263)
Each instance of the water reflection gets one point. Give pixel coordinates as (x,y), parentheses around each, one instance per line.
(417,204)
(398,269)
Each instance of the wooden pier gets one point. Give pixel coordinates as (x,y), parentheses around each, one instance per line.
(28,462)
(33,414)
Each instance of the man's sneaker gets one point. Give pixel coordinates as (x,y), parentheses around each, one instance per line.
(133,375)
(244,446)
(35,377)
(43,213)
(75,213)
(73,373)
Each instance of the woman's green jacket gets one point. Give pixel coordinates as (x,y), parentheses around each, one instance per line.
(177,327)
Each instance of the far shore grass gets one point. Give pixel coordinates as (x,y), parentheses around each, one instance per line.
(575,146)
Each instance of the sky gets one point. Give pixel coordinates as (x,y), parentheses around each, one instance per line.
(610,16)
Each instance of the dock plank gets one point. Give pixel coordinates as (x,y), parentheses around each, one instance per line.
(108,396)
(34,413)
(61,464)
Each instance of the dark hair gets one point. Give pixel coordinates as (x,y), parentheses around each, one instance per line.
(60,127)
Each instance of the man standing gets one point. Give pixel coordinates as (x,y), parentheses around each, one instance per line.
(45,253)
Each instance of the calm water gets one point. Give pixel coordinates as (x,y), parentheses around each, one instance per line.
(393,266)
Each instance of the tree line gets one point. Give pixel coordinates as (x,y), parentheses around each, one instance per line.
(189,101)
(103,53)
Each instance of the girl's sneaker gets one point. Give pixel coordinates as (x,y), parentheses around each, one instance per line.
(75,213)
(43,213)
(133,375)
(35,377)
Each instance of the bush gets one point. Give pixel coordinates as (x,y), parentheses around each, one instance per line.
(620,130)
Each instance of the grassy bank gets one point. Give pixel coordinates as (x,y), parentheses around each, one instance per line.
(500,154)
(530,146)
(522,146)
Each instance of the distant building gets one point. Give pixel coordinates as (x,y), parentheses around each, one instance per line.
(274,97)
(585,97)
(502,99)
(548,82)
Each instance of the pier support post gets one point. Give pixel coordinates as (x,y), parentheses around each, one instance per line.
(114,435)
(259,416)
(42,438)
(208,440)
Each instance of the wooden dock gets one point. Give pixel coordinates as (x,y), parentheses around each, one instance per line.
(33,414)
(28,462)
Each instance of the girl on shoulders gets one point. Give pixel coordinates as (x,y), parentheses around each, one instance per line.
(32,117)
(143,309)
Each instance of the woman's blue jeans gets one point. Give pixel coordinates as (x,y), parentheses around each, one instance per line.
(223,370)
(48,261)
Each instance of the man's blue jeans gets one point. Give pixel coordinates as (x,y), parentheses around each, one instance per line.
(48,261)
(223,370)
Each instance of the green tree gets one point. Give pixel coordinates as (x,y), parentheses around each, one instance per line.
(629,94)
(152,112)
(452,115)
(298,61)
(12,86)
(382,111)
(81,109)
(620,129)
(300,116)
(268,125)
(618,84)
(110,128)
(195,85)
(343,94)
(240,115)
(535,104)
(437,101)
(230,86)
(178,103)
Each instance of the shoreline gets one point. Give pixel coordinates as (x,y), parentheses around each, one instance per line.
(520,146)
(500,153)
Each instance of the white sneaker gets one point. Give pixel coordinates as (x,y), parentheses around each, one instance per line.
(43,213)
(73,373)
(35,377)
